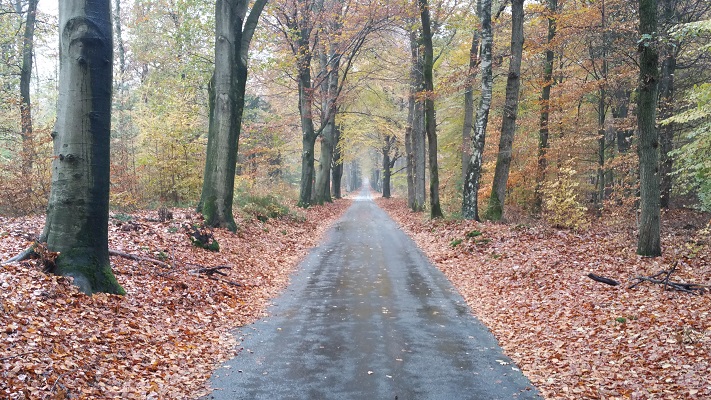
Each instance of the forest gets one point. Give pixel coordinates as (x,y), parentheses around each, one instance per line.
(546,146)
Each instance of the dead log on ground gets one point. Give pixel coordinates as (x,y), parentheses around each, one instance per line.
(602,279)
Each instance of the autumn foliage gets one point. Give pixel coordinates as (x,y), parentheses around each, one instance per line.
(165,337)
(575,338)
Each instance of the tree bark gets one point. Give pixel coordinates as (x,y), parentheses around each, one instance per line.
(470,209)
(418,122)
(666,106)
(409,151)
(495,209)
(468,125)
(78,211)
(25,79)
(337,167)
(649,243)
(233,35)
(330,67)
(543,130)
(430,122)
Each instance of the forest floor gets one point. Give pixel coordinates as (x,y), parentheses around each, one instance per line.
(573,337)
(165,337)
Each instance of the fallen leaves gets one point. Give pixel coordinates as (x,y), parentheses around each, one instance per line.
(575,338)
(166,336)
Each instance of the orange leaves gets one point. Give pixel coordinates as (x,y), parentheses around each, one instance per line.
(164,337)
(575,338)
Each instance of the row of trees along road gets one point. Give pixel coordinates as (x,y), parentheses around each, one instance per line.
(406,92)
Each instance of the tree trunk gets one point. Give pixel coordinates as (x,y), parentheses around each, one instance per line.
(649,243)
(418,122)
(330,67)
(469,104)
(620,112)
(337,166)
(308,139)
(386,172)
(543,130)
(232,38)
(25,79)
(495,209)
(470,209)
(78,211)
(430,122)
(666,106)
(409,153)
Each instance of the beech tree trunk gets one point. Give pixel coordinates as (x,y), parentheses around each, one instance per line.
(418,123)
(25,79)
(470,209)
(495,209)
(233,35)
(649,242)
(330,91)
(78,211)
(543,130)
(409,152)
(337,167)
(430,122)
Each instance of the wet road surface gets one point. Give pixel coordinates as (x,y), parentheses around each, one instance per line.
(368,317)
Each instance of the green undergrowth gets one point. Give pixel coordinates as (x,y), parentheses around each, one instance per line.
(264,207)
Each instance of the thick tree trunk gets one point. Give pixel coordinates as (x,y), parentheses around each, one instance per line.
(25,79)
(649,242)
(600,183)
(78,211)
(430,122)
(495,209)
(226,106)
(418,123)
(308,135)
(543,130)
(470,209)
(329,89)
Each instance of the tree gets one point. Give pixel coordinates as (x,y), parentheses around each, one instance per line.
(543,130)
(430,122)
(233,34)
(25,78)
(495,209)
(470,209)
(78,211)
(416,126)
(649,243)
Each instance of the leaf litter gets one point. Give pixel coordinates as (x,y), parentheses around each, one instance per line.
(575,338)
(172,329)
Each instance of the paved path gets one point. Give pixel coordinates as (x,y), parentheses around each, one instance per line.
(368,317)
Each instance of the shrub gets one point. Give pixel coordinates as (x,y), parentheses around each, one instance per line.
(561,206)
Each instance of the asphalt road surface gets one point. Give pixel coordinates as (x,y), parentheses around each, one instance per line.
(367,316)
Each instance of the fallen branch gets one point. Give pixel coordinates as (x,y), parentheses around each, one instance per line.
(209,271)
(138,258)
(602,279)
(668,284)
(17,355)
